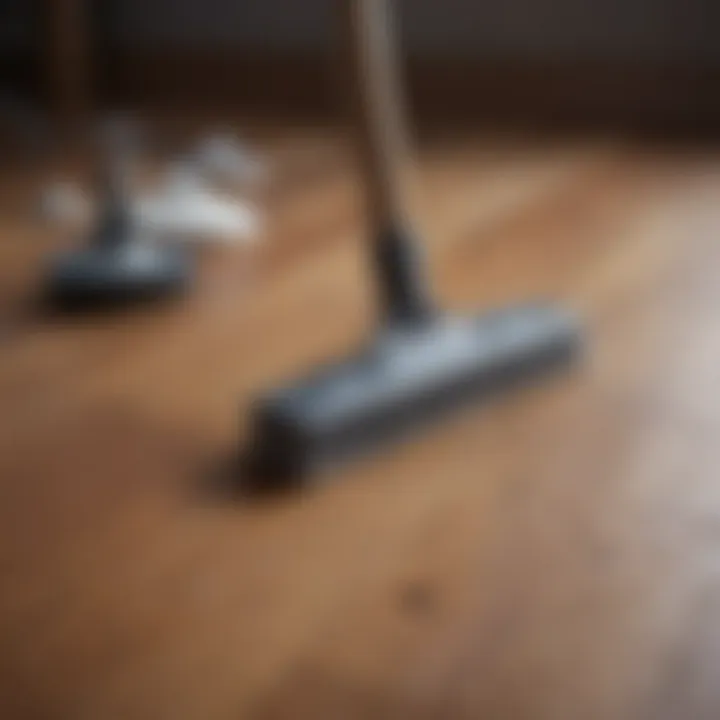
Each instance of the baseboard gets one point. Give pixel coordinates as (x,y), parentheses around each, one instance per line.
(548,95)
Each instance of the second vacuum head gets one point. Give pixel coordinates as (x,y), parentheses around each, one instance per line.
(129,272)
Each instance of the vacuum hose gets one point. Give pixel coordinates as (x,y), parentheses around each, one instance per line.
(377,121)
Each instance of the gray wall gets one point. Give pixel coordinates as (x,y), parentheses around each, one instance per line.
(15,24)
(614,29)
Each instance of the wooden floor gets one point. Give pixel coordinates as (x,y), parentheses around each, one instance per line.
(552,556)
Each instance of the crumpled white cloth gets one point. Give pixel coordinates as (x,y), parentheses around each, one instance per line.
(182,209)
(186,209)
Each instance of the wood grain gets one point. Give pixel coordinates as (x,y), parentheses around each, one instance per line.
(552,555)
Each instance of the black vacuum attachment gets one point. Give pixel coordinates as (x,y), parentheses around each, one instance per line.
(120,264)
(422,362)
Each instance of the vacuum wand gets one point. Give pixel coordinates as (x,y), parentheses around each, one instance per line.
(380,136)
(114,184)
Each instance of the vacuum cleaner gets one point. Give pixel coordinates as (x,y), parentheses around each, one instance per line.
(422,362)
(122,263)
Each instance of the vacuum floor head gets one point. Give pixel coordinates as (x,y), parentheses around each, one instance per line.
(407,377)
(421,364)
(102,275)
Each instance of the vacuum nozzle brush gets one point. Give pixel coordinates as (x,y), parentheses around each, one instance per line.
(100,276)
(409,376)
